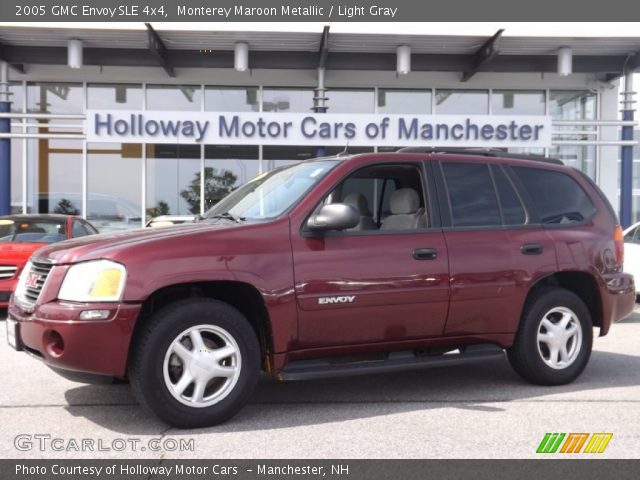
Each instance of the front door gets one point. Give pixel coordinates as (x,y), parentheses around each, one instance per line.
(385,281)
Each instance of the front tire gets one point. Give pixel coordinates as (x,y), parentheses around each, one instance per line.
(554,341)
(195,363)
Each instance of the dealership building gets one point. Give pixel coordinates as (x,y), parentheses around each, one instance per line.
(121,124)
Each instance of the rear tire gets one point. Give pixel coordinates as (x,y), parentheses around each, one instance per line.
(554,341)
(195,363)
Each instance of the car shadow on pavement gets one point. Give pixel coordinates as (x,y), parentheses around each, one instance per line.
(274,405)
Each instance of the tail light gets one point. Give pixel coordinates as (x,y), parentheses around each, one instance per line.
(618,239)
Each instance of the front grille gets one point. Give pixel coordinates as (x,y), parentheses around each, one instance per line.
(7,271)
(42,270)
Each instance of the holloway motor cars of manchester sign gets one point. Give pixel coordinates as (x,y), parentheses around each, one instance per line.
(330,129)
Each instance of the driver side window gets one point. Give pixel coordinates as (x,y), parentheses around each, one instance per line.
(387,197)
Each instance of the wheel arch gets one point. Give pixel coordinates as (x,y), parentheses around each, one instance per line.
(583,284)
(243,296)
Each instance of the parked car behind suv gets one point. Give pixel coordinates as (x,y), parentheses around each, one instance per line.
(21,235)
(337,266)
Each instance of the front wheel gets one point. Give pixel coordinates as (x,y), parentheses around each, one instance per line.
(195,363)
(553,343)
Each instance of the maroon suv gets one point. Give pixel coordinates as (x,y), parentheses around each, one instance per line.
(336,266)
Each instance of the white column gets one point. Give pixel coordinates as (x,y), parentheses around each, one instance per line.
(608,170)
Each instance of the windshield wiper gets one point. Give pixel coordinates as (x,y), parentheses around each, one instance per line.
(227,216)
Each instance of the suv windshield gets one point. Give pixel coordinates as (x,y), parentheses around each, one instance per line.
(272,193)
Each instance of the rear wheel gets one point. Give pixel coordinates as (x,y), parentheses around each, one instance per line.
(195,363)
(553,344)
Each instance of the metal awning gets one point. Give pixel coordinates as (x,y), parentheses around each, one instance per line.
(184,48)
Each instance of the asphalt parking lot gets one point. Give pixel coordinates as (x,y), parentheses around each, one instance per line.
(481,410)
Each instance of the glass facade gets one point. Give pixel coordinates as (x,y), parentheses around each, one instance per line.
(231,99)
(518,102)
(404,101)
(298,100)
(453,102)
(129,183)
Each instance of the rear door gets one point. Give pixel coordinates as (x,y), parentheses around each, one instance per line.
(382,285)
(495,250)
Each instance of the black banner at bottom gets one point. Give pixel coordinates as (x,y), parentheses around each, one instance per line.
(582,469)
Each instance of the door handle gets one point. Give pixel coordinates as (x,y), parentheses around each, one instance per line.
(531,249)
(425,254)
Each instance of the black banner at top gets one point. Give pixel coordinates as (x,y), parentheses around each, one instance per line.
(315,11)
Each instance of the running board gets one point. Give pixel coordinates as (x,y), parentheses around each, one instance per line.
(393,361)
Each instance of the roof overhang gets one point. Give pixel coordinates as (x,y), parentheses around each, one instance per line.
(605,56)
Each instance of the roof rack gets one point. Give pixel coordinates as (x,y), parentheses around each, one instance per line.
(485,152)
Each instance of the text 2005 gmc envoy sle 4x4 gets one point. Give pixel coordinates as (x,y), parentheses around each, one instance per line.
(336,266)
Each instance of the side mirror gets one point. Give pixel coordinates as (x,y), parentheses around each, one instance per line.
(335,216)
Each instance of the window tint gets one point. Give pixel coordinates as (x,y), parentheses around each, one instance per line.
(471,195)
(512,210)
(556,196)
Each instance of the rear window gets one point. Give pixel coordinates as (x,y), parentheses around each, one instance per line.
(557,198)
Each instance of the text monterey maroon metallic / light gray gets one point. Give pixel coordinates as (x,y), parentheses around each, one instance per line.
(336,266)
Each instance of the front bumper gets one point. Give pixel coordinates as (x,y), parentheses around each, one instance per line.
(618,299)
(55,334)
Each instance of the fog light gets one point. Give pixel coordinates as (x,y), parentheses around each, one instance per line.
(53,343)
(94,315)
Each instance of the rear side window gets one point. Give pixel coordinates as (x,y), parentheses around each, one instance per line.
(557,198)
(471,195)
(513,212)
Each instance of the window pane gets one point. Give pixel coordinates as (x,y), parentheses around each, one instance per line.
(16,98)
(462,101)
(404,101)
(299,100)
(114,201)
(278,155)
(517,102)
(55,97)
(580,157)
(556,197)
(512,210)
(56,185)
(174,97)
(114,96)
(172,171)
(229,99)
(350,101)
(572,105)
(471,195)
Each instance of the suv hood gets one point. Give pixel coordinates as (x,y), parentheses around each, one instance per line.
(110,245)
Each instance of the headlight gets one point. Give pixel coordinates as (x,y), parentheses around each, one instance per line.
(94,281)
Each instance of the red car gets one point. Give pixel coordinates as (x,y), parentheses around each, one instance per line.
(337,266)
(21,235)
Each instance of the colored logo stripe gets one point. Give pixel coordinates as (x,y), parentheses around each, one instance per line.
(550,443)
(574,442)
(598,442)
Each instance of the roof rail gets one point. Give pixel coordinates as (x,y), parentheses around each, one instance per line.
(485,152)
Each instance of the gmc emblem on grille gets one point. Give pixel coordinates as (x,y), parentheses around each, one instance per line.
(32,280)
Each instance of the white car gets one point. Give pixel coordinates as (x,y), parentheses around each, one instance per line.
(632,253)
(170,220)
